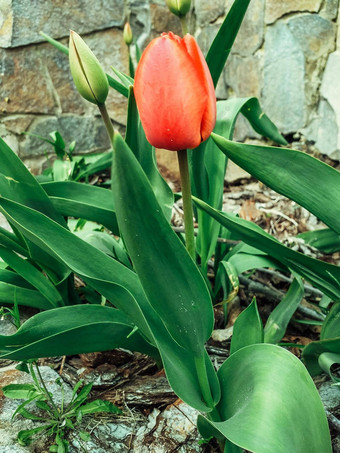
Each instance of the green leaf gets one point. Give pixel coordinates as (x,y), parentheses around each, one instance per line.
(100,406)
(112,279)
(208,165)
(326,362)
(83,201)
(25,436)
(102,163)
(85,436)
(324,276)
(159,257)
(9,294)
(145,154)
(331,325)
(254,380)
(279,318)
(313,351)
(20,391)
(325,240)
(32,275)
(224,40)
(297,175)
(248,328)
(73,330)
(62,169)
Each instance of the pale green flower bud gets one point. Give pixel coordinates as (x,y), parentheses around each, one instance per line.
(127,34)
(88,75)
(179,7)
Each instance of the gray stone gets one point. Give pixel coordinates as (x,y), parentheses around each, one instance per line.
(89,133)
(315,34)
(330,396)
(329,9)
(207,11)
(23,19)
(276,9)
(284,79)
(324,129)
(243,75)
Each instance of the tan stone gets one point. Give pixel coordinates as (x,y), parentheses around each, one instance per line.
(24,84)
(18,123)
(235,173)
(23,19)
(163,21)
(276,9)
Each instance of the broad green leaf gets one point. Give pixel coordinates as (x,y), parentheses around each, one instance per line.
(224,40)
(113,280)
(254,380)
(83,201)
(313,350)
(62,169)
(208,164)
(326,361)
(8,276)
(331,325)
(31,274)
(297,175)
(17,183)
(73,330)
(145,154)
(121,286)
(248,328)
(126,80)
(20,391)
(107,244)
(279,318)
(64,49)
(325,240)
(10,294)
(11,241)
(324,276)
(158,255)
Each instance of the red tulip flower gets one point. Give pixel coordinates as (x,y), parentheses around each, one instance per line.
(174,93)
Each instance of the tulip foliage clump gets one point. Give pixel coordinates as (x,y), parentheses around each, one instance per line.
(146,287)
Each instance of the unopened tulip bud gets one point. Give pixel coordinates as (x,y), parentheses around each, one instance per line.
(88,75)
(127,34)
(179,7)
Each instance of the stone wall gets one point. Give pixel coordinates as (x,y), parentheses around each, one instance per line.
(287,54)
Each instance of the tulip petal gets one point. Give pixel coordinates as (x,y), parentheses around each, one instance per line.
(209,116)
(171,96)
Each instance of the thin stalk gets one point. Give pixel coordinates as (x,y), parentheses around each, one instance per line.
(187,202)
(46,391)
(107,121)
(184,25)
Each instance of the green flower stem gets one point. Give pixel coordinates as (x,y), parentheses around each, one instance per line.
(201,370)
(184,25)
(187,202)
(107,121)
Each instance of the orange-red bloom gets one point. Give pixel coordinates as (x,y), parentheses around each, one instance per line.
(174,93)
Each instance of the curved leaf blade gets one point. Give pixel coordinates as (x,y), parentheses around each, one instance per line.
(159,258)
(253,381)
(296,175)
(324,276)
